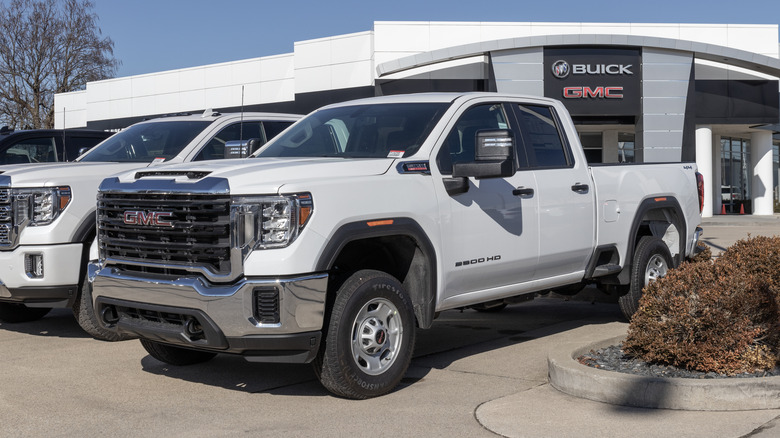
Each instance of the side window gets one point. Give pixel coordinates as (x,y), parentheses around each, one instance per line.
(542,139)
(31,150)
(461,141)
(74,144)
(272,129)
(215,148)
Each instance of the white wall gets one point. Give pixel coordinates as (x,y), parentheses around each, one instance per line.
(395,39)
(343,61)
(346,61)
(265,80)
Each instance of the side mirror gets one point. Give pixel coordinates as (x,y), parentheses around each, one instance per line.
(493,156)
(83,151)
(241,148)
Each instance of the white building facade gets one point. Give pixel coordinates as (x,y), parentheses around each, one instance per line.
(637,92)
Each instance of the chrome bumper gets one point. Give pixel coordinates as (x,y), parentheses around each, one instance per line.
(145,306)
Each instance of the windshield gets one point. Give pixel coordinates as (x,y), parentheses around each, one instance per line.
(391,130)
(145,142)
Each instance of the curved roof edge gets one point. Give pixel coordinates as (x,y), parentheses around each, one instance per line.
(710,52)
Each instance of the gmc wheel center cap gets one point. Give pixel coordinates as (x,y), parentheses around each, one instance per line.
(380,337)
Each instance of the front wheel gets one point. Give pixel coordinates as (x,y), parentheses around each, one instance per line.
(84,312)
(370,338)
(176,355)
(13,312)
(652,260)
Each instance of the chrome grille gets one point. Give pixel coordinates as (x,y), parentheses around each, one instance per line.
(198,235)
(6,218)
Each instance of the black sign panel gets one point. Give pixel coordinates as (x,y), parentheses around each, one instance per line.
(594,81)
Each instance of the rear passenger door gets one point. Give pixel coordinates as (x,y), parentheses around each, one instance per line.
(564,193)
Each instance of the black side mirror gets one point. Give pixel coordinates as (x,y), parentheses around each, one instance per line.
(241,148)
(493,156)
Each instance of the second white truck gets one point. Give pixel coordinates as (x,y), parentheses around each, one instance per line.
(351,230)
(47,211)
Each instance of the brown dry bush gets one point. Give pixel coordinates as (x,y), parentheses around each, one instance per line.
(704,255)
(713,317)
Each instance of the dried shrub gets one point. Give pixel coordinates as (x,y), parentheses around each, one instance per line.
(713,317)
(759,255)
(704,254)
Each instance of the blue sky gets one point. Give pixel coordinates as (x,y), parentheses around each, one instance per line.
(151,36)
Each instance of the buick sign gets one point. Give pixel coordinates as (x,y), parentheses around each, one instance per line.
(148,218)
(560,69)
(595,81)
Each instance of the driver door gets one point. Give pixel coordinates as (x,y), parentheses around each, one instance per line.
(489,234)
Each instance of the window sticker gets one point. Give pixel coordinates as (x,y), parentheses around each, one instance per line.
(395,154)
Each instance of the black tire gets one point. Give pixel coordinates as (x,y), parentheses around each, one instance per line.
(369,339)
(176,355)
(85,315)
(652,260)
(13,312)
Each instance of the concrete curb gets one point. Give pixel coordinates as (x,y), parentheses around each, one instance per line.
(739,394)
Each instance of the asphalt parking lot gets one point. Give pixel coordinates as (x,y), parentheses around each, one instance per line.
(57,381)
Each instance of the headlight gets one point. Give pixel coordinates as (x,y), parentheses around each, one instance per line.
(269,221)
(35,207)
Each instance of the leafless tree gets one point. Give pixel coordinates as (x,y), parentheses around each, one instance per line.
(48,47)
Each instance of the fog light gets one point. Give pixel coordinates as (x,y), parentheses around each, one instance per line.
(33,265)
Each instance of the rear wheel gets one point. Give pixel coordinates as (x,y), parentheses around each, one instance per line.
(13,312)
(370,337)
(652,260)
(175,355)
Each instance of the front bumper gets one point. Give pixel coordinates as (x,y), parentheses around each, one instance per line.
(192,313)
(58,285)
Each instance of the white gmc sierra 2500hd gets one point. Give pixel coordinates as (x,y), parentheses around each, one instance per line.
(47,211)
(363,220)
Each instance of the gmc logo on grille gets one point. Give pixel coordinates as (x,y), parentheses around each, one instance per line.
(148,218)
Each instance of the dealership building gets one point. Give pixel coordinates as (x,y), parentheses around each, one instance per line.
(638,93)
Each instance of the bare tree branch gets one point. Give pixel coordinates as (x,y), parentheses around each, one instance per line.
(48,47)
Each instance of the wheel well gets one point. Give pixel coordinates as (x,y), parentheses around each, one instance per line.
(661,219)
(398,255)
(85,234)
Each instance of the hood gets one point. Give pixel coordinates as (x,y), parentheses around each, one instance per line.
(52,174)
(263,175)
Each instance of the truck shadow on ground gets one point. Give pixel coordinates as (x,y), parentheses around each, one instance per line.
(58,323)
(455,335)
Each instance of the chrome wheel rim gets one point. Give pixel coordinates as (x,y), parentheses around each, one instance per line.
(377,333)
(656,268)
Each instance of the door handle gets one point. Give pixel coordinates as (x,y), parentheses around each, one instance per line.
(580,188)
(523,191)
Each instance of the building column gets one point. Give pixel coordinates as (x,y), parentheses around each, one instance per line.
(717,176)
(704,163)
(761,153)
(609,146)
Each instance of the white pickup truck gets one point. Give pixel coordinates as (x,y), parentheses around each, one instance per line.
(353,228)
(47,211)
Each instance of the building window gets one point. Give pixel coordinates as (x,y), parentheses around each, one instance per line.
(736,175)
(593,144)
(626,147)
(775,170)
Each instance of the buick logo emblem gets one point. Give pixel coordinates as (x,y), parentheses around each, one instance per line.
(148,218)
(560,69)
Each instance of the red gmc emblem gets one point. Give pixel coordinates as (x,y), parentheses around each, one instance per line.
(595,92)
(148,218)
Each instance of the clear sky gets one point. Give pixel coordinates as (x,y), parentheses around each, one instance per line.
(156,35)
